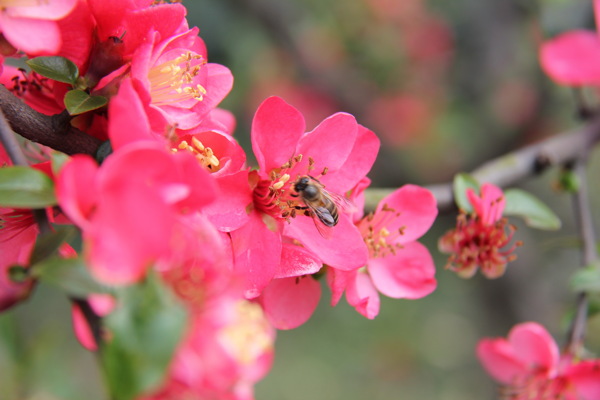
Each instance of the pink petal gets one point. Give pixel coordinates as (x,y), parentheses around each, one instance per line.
(125,218)
(330,144)
(410,274)
(229,213)
(30,35)
(572,58)
(489,205)
(534,346)
(76,189)
(345,250)
(82,329)
(53,9)
(102,304)
(276,129)
(358,164)
(219,82)
(499,359)
(363,296)
(417,208)
(128,121)
(257,254)
(338,281)
(585,376)
(289,302)
(297,261)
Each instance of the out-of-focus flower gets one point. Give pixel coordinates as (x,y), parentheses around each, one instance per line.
(529,365)
(398,265)
(32,26)
(132,209)
(481,239)
(227,348)
(573,58)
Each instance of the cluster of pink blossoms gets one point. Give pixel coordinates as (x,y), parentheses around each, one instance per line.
(529,366)
(242,248)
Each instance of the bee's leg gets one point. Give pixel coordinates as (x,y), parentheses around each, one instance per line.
(301,207)
(294,195)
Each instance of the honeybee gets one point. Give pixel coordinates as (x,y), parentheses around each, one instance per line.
(323,206)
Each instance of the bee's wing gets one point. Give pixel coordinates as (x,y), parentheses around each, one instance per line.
(343,204)
(323,220)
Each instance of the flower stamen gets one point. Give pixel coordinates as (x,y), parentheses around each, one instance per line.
(175,80)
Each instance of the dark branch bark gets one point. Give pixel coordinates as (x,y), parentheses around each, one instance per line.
(518,165)
(53,131)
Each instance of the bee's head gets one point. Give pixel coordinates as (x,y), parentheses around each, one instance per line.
(302,183)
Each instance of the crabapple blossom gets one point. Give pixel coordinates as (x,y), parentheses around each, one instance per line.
(398,265)
(33,28)
(132,208)
(529,365)
(338,152)
(480,239)
(228,347)
(573,58)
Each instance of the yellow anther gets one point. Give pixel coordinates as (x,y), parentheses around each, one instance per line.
(197,144)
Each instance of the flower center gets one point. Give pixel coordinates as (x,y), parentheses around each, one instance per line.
(203,154)
(380,240)
(176,80)
(475,244)
(277,197)
(249,336)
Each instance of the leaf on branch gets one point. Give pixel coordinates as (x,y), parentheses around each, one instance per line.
(79,101)
(47,244)
(461,183)
(56,68)
(145,330)
(535,213)
(68,274)
(57,160)
(587,279)
(25,187)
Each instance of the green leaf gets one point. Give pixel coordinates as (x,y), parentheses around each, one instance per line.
(587,279)
(68,274)
(25,187)
(535,213)
(54,67)
(461,183)
(79,101)
(145,330)
(47,244)
(58,160)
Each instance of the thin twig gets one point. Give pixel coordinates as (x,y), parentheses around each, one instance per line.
(583,217)
(513,167)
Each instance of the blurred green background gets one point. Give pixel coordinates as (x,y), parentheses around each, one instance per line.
(446,85)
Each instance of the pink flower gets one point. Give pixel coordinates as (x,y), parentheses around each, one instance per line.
(133,208)
(529,365)
(170,85)
(573,58)
(228,348)
(398,265)
(338,152)
(480,239)
(32,26)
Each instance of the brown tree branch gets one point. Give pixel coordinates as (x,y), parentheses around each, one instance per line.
(53,131)
(515,166)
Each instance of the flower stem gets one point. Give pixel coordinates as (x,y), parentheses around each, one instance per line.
(583,217)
